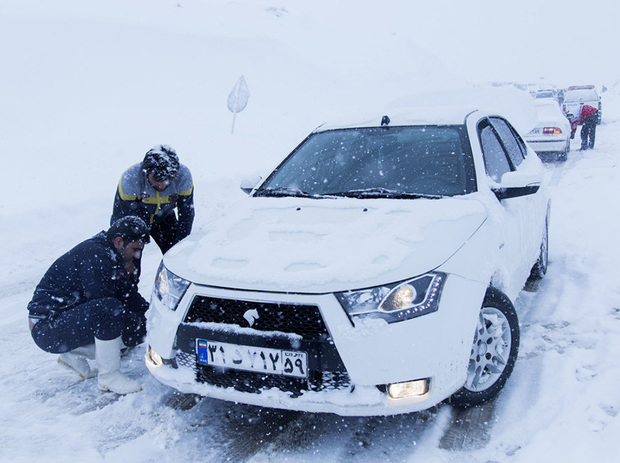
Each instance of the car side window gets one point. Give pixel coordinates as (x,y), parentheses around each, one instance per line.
(495,160)
(510,140)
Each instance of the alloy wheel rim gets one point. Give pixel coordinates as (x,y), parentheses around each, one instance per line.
(490,351)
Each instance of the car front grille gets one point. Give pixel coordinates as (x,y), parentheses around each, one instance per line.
(304,320)
(271,326)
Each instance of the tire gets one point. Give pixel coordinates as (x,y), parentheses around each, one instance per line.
(562,155)
(539,270)
(494,351)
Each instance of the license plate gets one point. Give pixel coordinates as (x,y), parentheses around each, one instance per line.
(252,358)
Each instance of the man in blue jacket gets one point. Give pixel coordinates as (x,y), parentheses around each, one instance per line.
(153,190)
(87,304)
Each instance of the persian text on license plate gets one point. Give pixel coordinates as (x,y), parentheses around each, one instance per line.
(252,358)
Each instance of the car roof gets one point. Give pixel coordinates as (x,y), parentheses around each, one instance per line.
(550,91)
(581,87)
(429,115)
(546,102)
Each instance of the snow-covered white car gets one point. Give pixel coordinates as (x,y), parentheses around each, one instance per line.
(552,131)
(546,94)
(373,272)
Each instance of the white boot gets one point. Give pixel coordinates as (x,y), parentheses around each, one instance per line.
(109,361)
(77,360)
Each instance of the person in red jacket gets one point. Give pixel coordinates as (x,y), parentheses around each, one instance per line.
(588,118)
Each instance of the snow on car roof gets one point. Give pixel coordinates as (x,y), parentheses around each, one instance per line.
(438,115)
(448,107)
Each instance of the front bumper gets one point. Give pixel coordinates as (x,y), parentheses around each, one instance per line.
(349,366)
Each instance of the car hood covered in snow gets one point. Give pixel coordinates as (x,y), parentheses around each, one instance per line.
(325,245)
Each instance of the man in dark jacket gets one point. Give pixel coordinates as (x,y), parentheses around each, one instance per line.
(89,295)
(588,119)
(152,190)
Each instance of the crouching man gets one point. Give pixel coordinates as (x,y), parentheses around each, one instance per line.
(87,306)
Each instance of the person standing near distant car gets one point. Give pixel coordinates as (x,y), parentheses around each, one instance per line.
(153,190)
(588,118)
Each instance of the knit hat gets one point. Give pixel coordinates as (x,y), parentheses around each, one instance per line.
(162,162)
(131,228)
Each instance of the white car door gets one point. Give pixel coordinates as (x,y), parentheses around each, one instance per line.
(518,215)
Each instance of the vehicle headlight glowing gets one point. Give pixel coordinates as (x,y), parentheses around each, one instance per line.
(395,302)
(169,288)
(401,298)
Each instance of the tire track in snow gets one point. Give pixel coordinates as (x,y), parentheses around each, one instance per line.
(245,430)
(387,438)
(469,429)
(328,437)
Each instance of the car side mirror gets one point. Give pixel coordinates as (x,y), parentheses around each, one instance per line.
(516,184)
(249,183)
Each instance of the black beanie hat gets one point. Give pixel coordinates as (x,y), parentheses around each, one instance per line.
(161,161)
(131,228)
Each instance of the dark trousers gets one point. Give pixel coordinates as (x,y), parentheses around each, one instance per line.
(588,132)
(104,318)
(165,233)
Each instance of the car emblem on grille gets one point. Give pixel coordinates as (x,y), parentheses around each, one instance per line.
(251,316)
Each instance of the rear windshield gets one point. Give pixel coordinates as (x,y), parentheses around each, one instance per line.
(581,95)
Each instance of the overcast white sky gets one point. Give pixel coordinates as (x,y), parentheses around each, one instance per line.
(562,42)
(566,41)
(559,41)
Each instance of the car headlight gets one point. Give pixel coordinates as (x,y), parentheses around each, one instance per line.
(169,288)
(395,302)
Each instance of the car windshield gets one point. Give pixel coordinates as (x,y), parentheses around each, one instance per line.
(395,162)
(580,95)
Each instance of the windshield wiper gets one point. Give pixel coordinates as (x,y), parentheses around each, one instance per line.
(379,192)
(285,191)
(362,193)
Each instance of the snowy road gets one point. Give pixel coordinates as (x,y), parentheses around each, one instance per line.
(563,389)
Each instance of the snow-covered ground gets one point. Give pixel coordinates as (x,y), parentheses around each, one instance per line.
(87,87)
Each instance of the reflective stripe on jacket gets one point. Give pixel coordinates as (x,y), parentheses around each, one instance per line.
(136,196)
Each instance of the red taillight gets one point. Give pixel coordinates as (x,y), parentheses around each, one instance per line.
(552,130)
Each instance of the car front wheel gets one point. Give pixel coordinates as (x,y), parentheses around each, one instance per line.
(493,353)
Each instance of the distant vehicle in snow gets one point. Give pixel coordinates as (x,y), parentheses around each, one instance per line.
(549,93)
(552,133)
(372,273)
(578,95)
